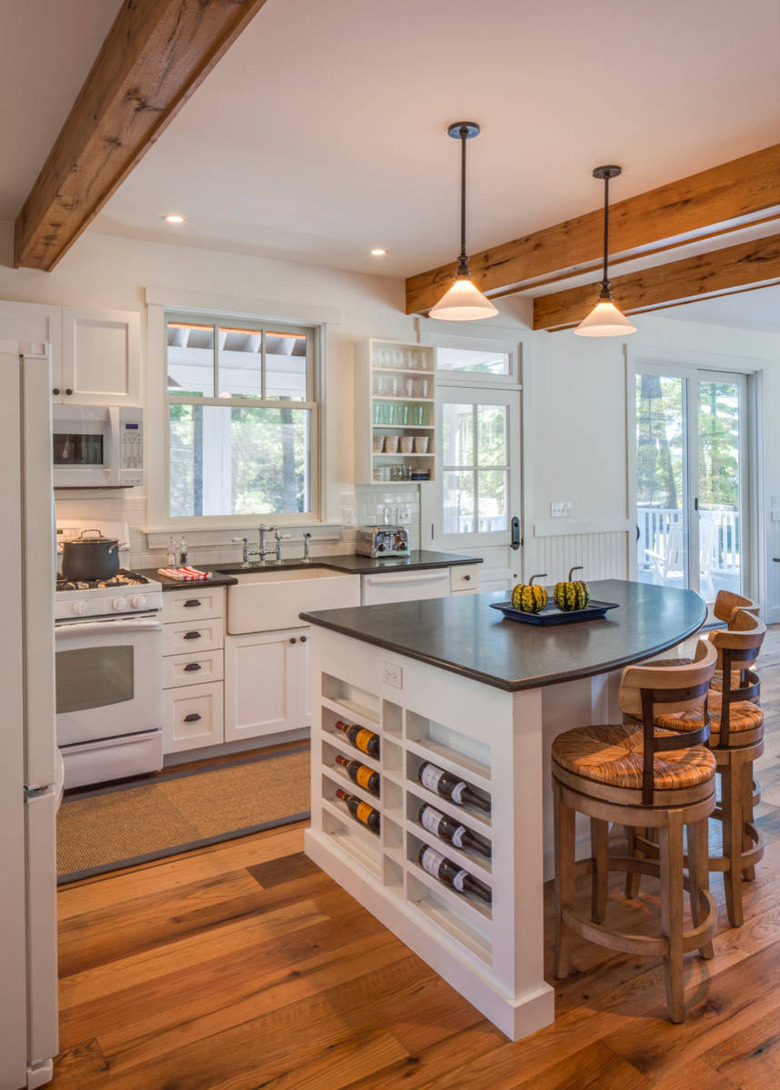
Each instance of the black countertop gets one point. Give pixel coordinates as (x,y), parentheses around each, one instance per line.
(464,635)
(351,565)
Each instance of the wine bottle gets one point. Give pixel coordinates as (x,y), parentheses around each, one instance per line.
(452,831)
(364,813)
(361,737)
(451,787)
(362,775)
(452,875)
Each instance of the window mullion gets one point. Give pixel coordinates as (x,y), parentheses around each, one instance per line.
(216,361)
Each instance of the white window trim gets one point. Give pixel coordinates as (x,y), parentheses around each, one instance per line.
(509,345)
(157,431)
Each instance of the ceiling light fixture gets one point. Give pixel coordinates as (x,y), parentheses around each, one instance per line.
(378,252)
(174,217)
(605,320)
(463,301)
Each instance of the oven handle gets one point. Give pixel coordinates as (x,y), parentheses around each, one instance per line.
(76,629)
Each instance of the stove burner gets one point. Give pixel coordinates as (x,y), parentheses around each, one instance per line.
(121,579)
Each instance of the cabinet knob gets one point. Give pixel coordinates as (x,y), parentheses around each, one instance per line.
(56,390)
(68,392)
(193,717)
(192,635)
(293,639)
(192,602)
(466,578)
(303,639)
(191,666)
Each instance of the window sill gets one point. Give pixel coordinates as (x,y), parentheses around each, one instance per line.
(218,532)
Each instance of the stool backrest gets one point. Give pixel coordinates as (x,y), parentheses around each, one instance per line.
(737,649)
(673,688)
(727,604)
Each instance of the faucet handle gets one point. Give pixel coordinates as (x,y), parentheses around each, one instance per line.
(240,540)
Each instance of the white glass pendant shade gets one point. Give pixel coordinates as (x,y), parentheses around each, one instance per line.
(463,302)
(605,320)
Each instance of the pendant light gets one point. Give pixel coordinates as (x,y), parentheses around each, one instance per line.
(463,301)
(605,320)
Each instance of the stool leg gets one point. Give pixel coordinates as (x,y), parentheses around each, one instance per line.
(731,805)
(749,873)
(632,879)
(670,845)
(564,879)
(599,849)
(699,875)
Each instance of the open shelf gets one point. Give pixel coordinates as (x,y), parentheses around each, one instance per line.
(340,778)
(470,815)
(450,749)
(340,742)
(352,838)
(349,702)
(472,862)
(466,907)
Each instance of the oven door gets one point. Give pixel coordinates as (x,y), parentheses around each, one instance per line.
(109,678)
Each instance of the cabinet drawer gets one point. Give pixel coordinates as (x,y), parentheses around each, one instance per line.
(184,637)
(194,669)
(193,604)
(192,717)
(464,577)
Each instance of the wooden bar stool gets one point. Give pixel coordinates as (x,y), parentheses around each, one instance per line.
(639,776)
(726,607)
(737,740)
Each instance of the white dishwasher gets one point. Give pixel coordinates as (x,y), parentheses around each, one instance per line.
(404,586)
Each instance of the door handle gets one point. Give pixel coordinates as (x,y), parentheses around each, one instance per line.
(517,541)
(193,717)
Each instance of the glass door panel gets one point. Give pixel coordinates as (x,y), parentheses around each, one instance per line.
(720,462)
(662,524)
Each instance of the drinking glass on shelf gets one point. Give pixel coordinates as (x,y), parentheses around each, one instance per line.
(409,387)
(425,387)
(393,385)
(402,414)
(378,407)
(418,415)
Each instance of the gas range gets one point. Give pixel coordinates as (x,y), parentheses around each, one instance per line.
(126,593)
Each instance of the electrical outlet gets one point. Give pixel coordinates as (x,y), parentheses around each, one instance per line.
(560,510)
(392,675)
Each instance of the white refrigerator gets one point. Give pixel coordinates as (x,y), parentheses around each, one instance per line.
(28,755)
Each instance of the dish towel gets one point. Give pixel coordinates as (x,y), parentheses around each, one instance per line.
(184,575)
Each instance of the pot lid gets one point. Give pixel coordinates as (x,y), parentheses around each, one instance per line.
(95,538)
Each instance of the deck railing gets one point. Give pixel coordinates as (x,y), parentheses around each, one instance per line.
(660,536)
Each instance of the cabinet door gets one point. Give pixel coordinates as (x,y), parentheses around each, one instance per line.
(100,360)
(265,684)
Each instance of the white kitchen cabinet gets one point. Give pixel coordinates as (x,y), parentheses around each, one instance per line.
(464,578)
(266,683)
(99,362)
(192,717)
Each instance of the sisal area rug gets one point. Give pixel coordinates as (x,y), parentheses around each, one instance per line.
(116,827)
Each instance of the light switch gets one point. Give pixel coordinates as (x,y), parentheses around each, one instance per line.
(560,510)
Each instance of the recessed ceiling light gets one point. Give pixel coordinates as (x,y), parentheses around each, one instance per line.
(174,218)
(378,252)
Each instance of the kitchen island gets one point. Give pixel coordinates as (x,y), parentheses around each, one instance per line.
(450,682)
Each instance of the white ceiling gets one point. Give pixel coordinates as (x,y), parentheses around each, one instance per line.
(46,50)
(758,310)
(321,133)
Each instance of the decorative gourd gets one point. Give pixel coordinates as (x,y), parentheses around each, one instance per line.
(572,593)
(529,598)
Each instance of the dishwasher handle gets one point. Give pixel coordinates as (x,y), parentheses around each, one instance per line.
(403,579)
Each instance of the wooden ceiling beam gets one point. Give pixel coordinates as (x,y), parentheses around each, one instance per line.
(705,276)
(709,203)
(153,58)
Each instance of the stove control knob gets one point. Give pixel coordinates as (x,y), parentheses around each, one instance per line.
(138,601)
(81,608)
(119,604)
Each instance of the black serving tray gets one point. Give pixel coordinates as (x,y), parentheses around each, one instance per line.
(551,615)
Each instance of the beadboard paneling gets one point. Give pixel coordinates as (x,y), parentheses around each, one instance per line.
(603,556)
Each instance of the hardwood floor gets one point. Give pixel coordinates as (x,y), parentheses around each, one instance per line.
(243,966)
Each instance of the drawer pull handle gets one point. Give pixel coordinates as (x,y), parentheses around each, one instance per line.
(293,639)
(193,717)
(303,639)
(191,666)
(466,578)
(191,602)
(192,635)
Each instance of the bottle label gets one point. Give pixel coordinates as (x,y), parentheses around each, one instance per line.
(363,777)
(457,836)
(431,819)
(430,777)
(457,793)
(431,861)
(459,879)
(364,812)
(363,738)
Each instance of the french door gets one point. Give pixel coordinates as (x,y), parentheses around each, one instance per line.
(692,479)
(473,505)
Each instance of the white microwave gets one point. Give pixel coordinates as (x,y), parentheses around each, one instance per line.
(98,446)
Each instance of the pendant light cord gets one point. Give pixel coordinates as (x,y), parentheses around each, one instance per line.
(606,287)
(463,260)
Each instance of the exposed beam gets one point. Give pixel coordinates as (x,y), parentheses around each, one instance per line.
(705,204)
(720,272)
(153,58)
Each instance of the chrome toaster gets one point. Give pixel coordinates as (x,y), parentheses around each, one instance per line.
(376,541)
